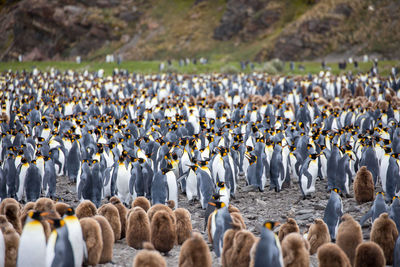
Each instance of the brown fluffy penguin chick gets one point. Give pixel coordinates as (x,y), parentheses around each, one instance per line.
(85,209)
(107,237)
(364,189)
(5,202)
(142,202)
(122,213)
(369,254)
(12,212)
(239,255)
(290,226)
(27,207)
(110,212)
(91,231)
(349,236)
(137,228)
(237,221)
(163,233)
(171,204)
(149,257)
(61,208)
(331,255)
(11,241)
(195,252)
(295,251)
(183,225)
(4,223)
(45,205)
(232,208)
(253,252)
(158,207)
(227,247)
(318,234)
(384,233)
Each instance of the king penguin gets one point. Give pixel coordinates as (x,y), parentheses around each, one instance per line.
(32,244)
(268,251)
(75,236)
(59,249)
(308,176)
(379,206)
(333,213)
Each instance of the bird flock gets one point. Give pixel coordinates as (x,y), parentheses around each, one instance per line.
(132,136)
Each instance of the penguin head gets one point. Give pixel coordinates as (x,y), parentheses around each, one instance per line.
(56,223)
(165,170)
(37,215)
(217,204)
(270,224)
(380,193)
(337,190)
(313,156)
(70,211)
(216,196)
(220,184)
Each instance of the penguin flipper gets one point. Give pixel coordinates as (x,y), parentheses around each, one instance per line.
(366,217)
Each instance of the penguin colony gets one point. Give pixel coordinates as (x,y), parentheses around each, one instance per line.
(143,139)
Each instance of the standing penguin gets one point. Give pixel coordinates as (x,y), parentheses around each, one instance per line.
(349,236)
(32,244)
(308,175)
(108,239)
(295,251)
(110,212)
(223,222)
(370,254)
(277,169)
(73,163)
(396,254)
(268,250)
(159,187)
(94,242)
(20,183)
(378,207)
(394,212)
(137,228)
(289,227)
(183,225)
(59,249)
(384,233)
(75,236)
(330,255)
(33,182)
(363,186)
(163,232)
(121,177)
(333,213)
(195,252)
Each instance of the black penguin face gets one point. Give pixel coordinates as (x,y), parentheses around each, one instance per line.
(70,211)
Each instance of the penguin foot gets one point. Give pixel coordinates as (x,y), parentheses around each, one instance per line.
(348,195)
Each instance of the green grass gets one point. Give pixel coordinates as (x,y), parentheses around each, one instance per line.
(212,67)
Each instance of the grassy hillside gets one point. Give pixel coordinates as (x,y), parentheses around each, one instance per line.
(221,30)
